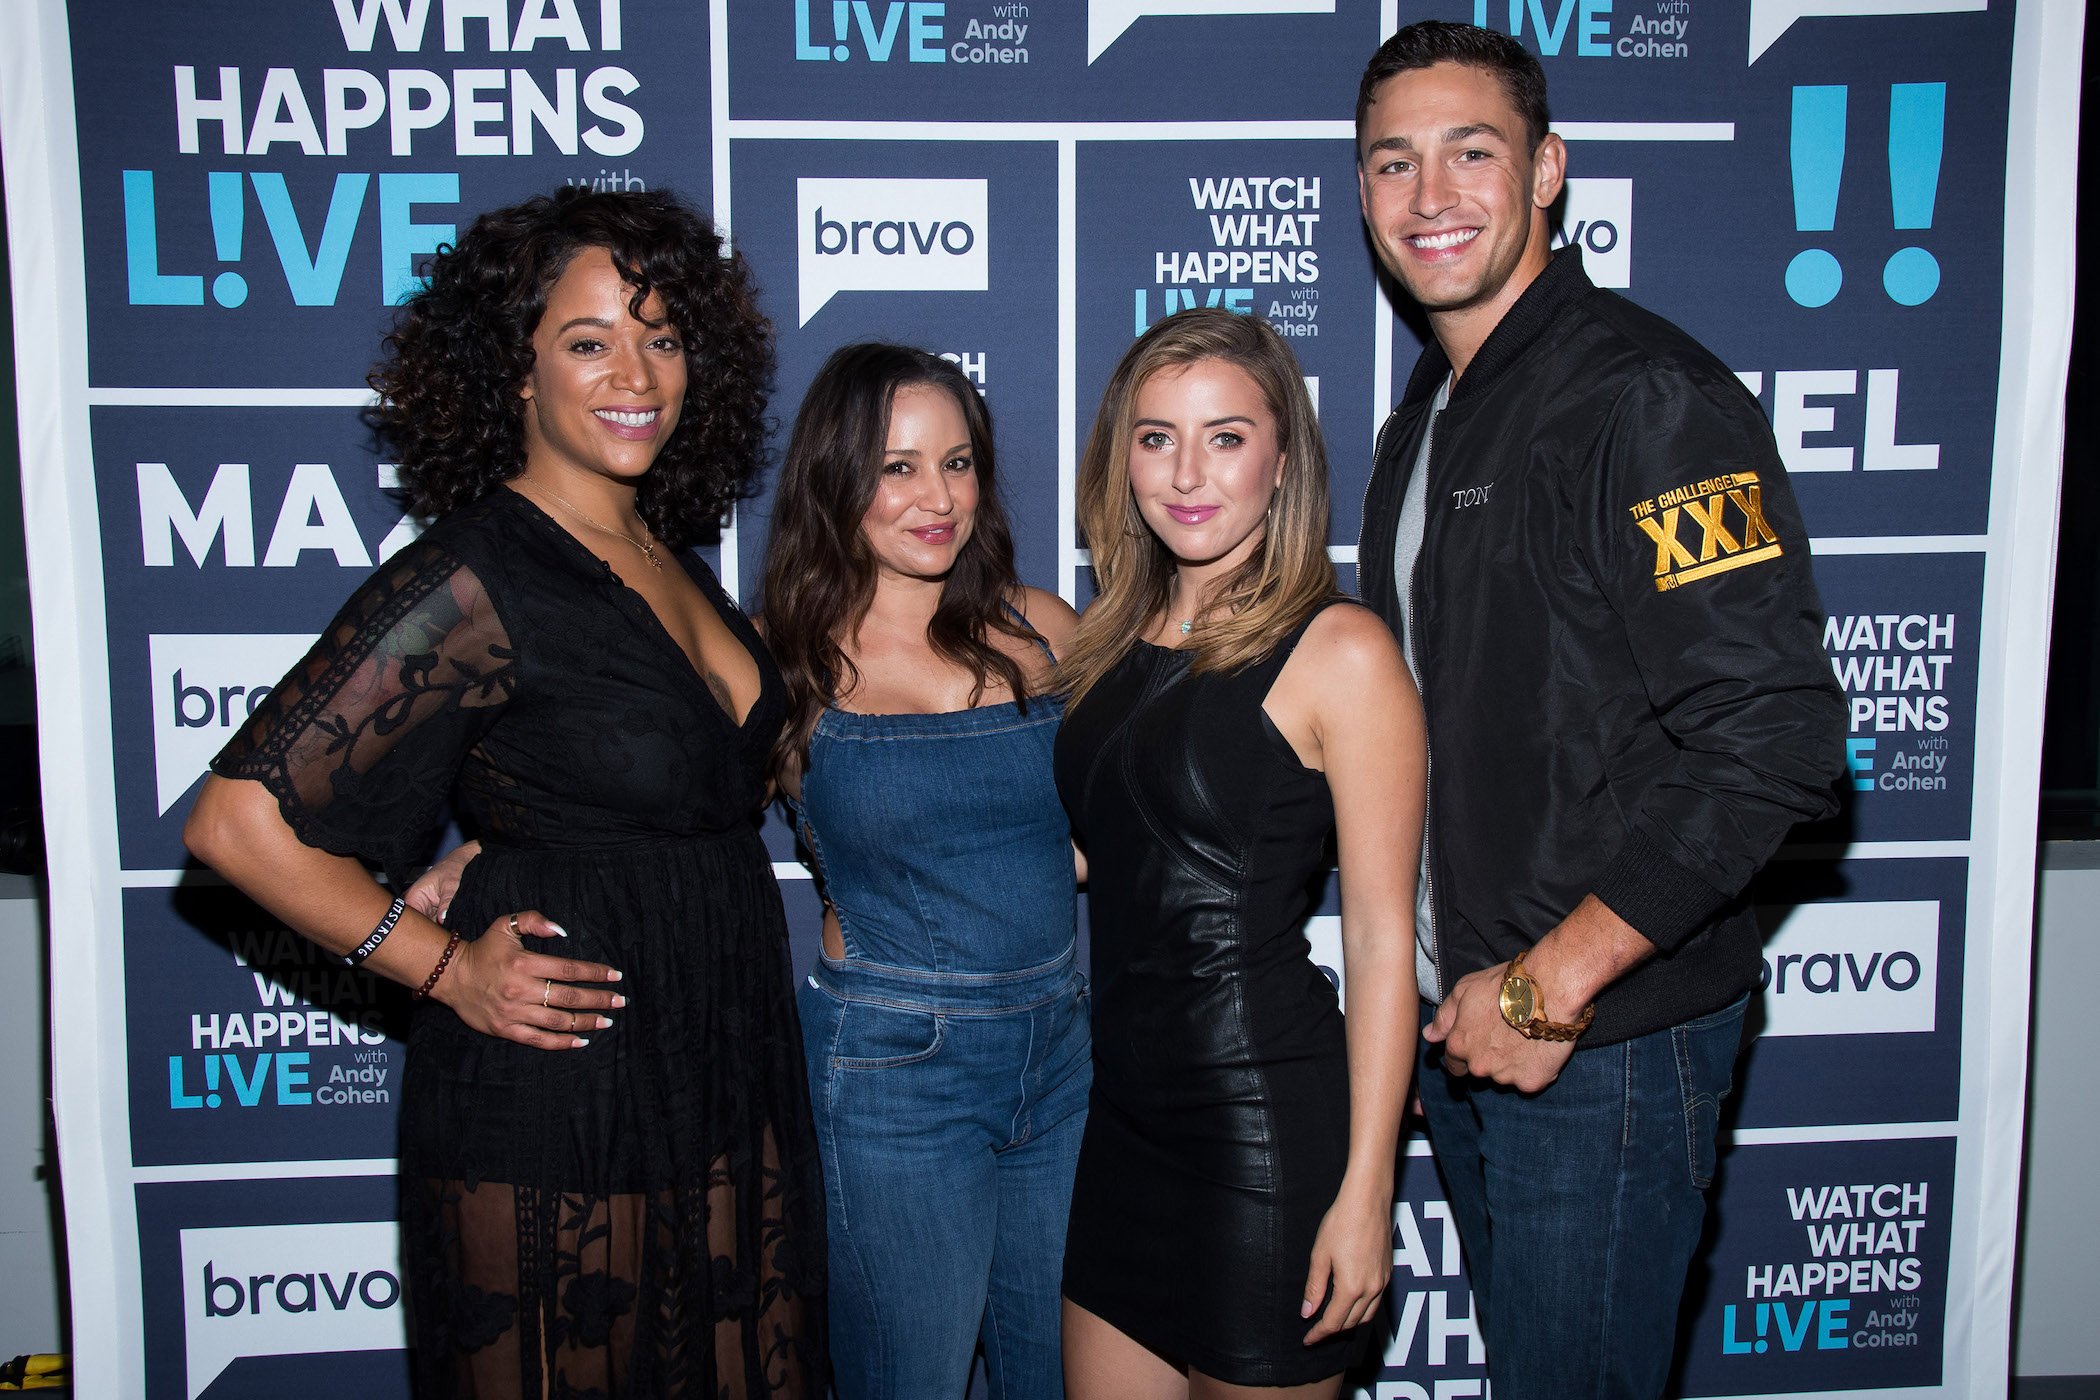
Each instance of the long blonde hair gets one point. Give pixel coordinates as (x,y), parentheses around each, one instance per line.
(1286,577)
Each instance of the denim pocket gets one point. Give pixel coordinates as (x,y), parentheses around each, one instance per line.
(875,1035)
(1706,1049)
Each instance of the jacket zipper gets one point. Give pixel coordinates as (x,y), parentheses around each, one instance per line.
(1407,605)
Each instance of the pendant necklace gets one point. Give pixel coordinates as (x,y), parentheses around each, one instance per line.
(644,545)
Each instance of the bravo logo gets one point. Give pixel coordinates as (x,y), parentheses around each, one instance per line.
(1598,218)
(861,235)
(1855,968)
(287,1290)
(204,688)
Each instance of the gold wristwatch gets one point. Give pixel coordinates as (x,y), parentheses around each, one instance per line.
(1525,1009)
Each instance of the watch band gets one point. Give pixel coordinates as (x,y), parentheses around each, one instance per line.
(1538,1027)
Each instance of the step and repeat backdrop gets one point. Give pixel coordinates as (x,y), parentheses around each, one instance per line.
(1859,204)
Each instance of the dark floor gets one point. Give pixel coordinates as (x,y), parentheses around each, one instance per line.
(2056,1388)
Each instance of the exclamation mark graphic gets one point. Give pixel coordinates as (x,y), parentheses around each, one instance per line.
(838,30)
(1813,277)
(211,1070)
(228,288)
(1917,137)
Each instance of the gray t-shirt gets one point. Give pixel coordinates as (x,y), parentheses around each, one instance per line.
(1414,515)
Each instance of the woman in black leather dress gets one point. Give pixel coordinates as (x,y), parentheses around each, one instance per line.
(1230,716)
(607,1190)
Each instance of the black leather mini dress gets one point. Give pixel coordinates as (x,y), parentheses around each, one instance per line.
(1219,1125)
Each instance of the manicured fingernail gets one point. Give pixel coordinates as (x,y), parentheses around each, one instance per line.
(559,931)
(604,1022)
(618,1001)
(1305,1309)
(614,975)
(579,1042)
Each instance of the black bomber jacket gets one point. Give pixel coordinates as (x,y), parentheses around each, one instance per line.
(1619,641)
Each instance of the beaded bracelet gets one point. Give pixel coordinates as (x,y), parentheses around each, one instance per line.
(451,947)
(378,935)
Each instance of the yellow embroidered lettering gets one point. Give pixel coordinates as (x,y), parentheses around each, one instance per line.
(1723,543)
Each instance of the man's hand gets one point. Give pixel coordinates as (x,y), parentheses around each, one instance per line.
(1581,956)
(1478,1042)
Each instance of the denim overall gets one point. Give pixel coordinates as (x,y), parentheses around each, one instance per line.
(948,1053)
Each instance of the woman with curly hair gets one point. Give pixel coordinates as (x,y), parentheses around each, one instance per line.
(609,1179)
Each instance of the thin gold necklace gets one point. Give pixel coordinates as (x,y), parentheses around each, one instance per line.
(648,550)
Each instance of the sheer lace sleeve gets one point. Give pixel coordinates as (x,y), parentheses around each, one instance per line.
(362,742)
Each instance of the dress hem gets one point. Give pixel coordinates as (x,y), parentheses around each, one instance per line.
(1233,1370)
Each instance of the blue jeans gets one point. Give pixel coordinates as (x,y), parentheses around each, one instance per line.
(949,1111)
(1579,1207)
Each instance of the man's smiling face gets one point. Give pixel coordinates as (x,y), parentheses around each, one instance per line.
(1454,190)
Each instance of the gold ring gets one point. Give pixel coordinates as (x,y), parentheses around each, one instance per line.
(546,990)
(513,926)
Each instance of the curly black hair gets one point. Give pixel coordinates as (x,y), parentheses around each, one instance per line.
(461,348)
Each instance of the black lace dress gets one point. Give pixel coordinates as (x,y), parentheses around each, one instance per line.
(642,1217)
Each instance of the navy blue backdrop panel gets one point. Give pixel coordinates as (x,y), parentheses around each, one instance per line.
(909,60)
(1861,994)
(1828,1270)
(249,1044)
(1904,633)
(272,1288)
(257,182)
(1263,227)
(221,529)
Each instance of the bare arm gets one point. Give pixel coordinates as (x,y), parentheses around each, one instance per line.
(493,984)
(1346,695)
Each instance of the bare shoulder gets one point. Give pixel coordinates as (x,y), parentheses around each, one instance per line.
(1349,643)
(1048,614)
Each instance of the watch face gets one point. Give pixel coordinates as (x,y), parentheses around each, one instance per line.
(1517,1000)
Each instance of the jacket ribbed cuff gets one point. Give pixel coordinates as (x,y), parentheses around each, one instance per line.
(1650,889)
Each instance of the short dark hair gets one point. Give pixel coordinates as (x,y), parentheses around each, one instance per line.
(1429,42)
(460,347)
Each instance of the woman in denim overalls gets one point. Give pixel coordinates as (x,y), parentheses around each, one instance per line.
(945,1023)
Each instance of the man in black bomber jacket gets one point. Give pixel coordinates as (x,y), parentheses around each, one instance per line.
(1581,532)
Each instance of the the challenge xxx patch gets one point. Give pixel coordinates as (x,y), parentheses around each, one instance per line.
(1724,518)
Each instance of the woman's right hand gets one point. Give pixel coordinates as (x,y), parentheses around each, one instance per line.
(500,989)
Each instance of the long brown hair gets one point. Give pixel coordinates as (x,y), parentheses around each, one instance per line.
(819,574)
(1286,577)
